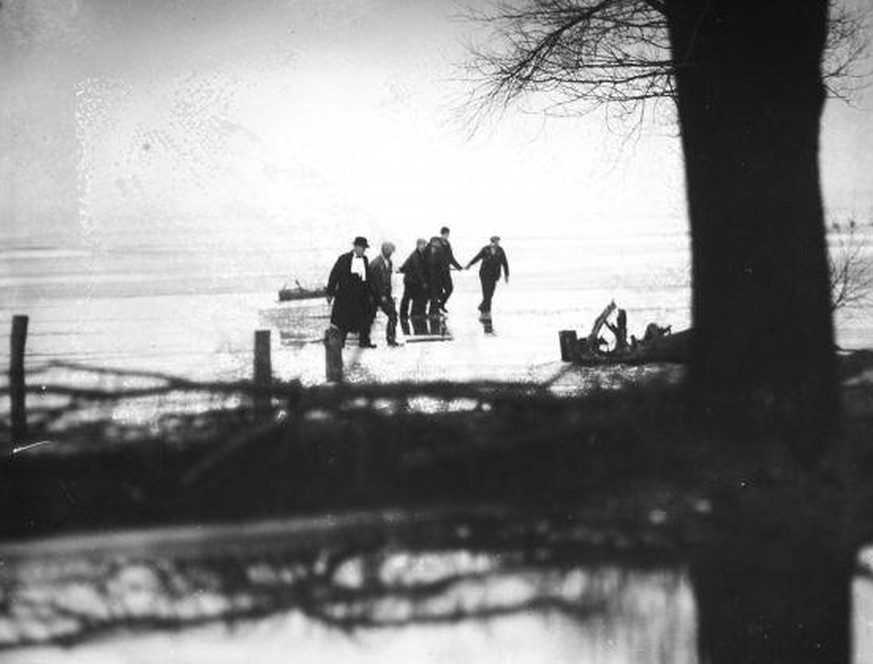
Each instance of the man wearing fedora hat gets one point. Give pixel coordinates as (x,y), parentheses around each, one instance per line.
(350,295)
(493,261)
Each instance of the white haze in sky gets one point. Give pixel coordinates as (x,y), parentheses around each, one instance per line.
(236,123)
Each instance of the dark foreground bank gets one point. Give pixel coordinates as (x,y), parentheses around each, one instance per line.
(612,477)
(292,450)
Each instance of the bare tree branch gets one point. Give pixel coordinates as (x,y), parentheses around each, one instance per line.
(581,55)
(851,268)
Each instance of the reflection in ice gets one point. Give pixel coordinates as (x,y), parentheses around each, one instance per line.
(341,603)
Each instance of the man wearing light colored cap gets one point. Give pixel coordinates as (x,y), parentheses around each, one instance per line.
(379,274)
(493,261)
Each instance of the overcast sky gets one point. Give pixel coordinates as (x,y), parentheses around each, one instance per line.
(152,120)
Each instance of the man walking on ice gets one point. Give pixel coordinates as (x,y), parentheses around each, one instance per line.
(380,271)
(348,291)
(442,260)
(493,261)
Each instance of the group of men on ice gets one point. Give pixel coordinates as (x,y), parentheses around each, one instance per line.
(358,288)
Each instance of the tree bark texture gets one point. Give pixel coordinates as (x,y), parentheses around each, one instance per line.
(766,602)
(750,98)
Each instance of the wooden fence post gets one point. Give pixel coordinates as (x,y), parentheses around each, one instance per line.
(568,341)
(333,355)
(263,376)
(17,390)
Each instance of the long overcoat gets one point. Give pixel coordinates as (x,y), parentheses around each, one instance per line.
(352,299)
(415,270)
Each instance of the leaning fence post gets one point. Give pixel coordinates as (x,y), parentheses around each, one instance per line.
(568,341)
(263,376)
(17,391)
(333,355)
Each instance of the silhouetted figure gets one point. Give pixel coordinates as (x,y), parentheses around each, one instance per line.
(379,273)
(350,295)
(442,260)
(493,262)
(415,282)
(436,271)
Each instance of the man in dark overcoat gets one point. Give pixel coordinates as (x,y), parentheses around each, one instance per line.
(350,294)
(443,264)
(436,271)
(415,281)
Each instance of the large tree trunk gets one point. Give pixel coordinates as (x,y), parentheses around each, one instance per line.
(750,97)
(763,602)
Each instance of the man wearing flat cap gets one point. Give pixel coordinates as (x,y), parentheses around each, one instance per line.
(493,261)
(350,294)
(380,274)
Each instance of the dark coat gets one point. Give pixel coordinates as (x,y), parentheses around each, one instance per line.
(449,255)
(415,270)
(492,263)
(352,304)
(438,274)
(436,262)
(379,276)
(440,256)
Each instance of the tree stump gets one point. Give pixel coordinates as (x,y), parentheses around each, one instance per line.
(333,354)
(263,372)
(17,389)
(568,341)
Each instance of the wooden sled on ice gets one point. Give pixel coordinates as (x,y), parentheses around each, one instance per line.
(287,294)
(425,338)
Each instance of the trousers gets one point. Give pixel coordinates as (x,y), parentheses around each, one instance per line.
(489,284)
(387,307)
